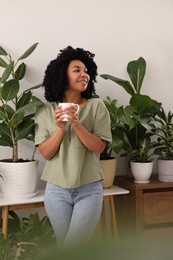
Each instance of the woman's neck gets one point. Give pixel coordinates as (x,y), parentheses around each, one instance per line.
(70,97)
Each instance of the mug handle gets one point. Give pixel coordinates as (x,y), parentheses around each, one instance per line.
(77,108)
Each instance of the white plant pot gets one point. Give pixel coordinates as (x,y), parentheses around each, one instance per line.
(109,169)
(141,171)
(18,180)
(165,170)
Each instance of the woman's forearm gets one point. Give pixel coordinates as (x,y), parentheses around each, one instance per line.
(89,140)
(50,146)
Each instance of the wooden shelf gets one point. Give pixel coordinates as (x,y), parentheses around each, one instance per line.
(147,206)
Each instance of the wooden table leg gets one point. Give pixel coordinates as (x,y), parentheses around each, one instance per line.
(5,221)
(113,217)
(103,219)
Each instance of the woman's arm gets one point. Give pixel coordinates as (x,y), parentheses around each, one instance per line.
(89,140)
(50,146)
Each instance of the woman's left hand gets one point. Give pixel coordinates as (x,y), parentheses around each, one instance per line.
(74,117)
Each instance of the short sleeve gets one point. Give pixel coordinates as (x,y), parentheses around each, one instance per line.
(102,125)
(41,132)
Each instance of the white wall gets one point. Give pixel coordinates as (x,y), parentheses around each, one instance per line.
(117,31)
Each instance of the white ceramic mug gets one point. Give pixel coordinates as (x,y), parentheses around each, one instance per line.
(67,105)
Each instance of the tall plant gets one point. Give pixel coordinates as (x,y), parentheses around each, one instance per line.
(17,104)
(137,138)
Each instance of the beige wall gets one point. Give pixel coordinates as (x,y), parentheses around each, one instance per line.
(117,31)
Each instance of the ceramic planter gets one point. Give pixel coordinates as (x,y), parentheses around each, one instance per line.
(109,168)
(165,170)
(18,180)
(141,171)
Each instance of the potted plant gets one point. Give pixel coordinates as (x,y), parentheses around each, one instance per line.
(119,116)
(137,142)
(17,109)
(107,158)
(28,237)
(162,128)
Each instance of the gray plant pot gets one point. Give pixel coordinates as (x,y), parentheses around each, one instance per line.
(165,170)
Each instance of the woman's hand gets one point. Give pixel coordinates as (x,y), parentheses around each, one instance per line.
(70,113)
(59,116)
(74,117)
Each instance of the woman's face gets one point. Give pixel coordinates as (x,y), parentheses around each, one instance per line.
(77,75)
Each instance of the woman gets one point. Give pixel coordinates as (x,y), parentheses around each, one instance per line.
(73,194)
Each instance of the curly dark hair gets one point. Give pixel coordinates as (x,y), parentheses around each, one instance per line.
(55,80)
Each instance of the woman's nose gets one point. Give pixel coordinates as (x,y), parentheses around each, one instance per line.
(83,74)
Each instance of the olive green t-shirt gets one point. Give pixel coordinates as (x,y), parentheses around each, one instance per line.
(73,165)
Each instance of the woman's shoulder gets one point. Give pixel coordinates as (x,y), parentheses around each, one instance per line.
(96,101)
(47,106)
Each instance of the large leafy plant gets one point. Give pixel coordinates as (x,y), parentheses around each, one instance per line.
(17,104)
(137,142)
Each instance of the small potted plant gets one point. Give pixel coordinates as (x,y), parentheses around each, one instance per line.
(162,128)
(17,109)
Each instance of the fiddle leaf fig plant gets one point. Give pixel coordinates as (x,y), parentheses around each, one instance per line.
(17,104)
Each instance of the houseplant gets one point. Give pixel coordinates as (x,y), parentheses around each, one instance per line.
(162,128)
(28,237)
(17,109)
(107,158)
(138,137)
(118,116)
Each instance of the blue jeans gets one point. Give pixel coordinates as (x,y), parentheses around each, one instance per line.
(74,212)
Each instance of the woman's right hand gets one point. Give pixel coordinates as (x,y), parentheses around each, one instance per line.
(59,116)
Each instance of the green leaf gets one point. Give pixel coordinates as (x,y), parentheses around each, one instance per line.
(5,141)
(142,102)
(117,144)
(2,114)
(28,52)
(16,119)
(20,72)
(4,130)
(9,112)
(128,116)
(3,52)
(3,63)
(136,70)
(29,106)
(24,129)
(10,89)
(34,87)
(123,83)
(34,98)
(5,137)
(24,99)
(7,72)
